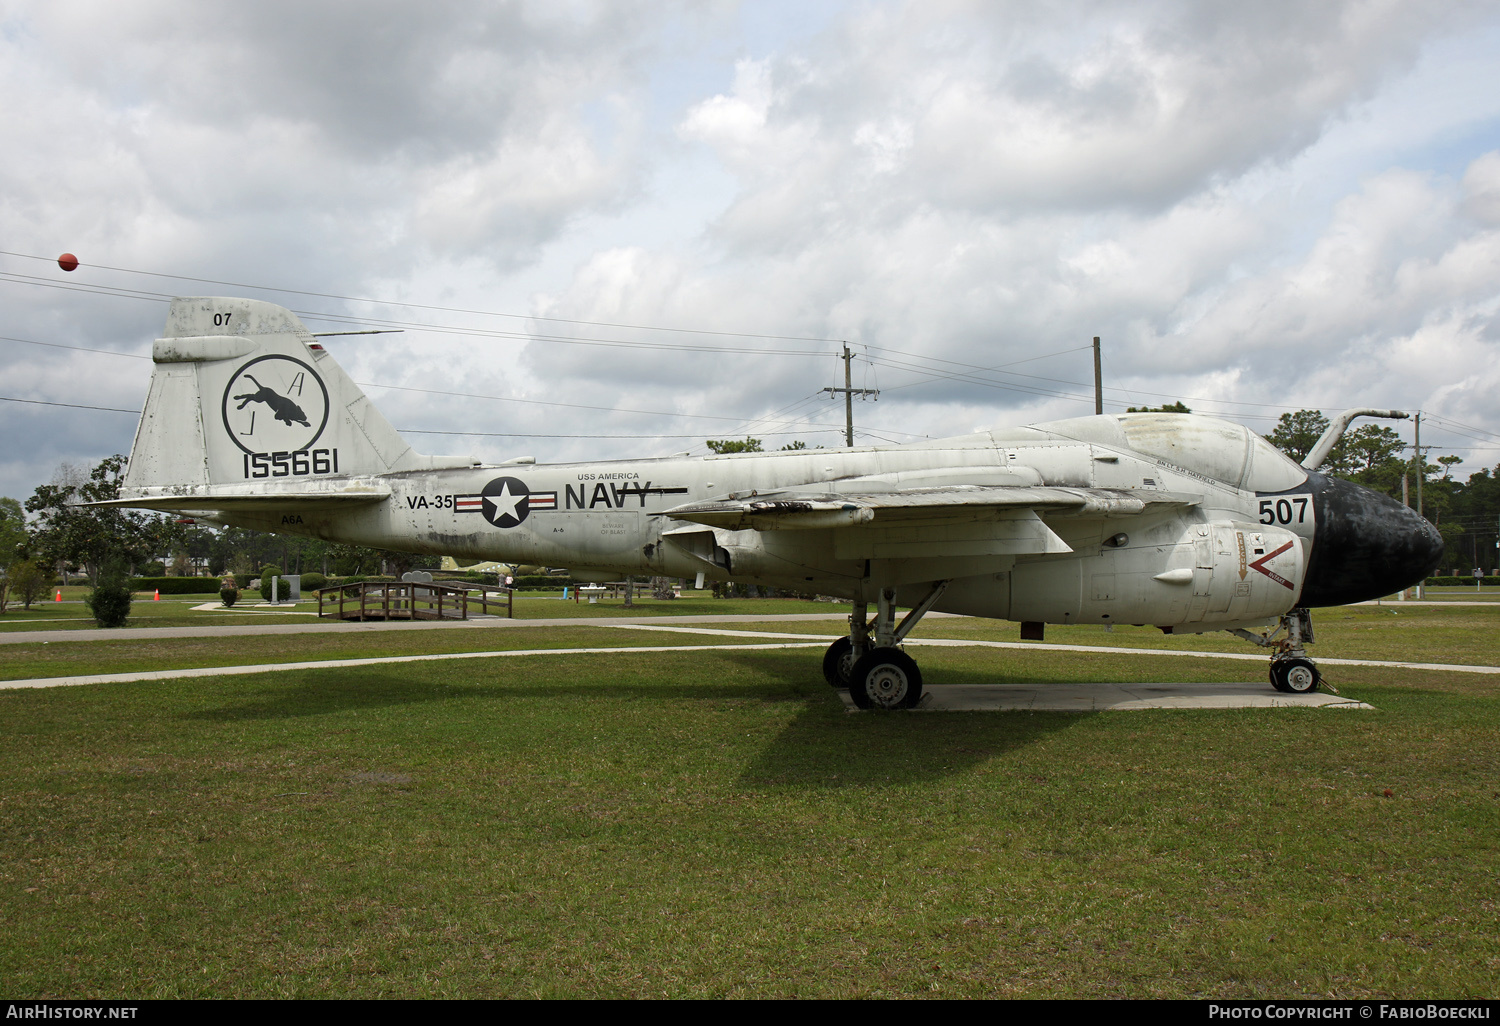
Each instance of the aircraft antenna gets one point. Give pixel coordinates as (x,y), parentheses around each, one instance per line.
(849,394)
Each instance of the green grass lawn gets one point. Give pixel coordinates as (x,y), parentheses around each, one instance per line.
(178,611)
(714,824)
(1461,635)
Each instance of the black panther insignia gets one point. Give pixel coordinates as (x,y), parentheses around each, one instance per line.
(275,404)
(285,410)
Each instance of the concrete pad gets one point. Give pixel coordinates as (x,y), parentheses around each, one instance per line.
(1088,698)
(258,609)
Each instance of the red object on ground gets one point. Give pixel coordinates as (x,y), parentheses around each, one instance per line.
(59,596)
(68,262)
(158,596)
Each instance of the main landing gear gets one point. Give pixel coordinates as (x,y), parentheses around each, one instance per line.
(877,673)
(1291,670)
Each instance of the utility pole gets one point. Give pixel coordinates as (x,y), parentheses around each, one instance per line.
(849,393)
(1421,463)
(1098,380)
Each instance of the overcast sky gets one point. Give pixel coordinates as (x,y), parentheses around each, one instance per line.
(1258,207)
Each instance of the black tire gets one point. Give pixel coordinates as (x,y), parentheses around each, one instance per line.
(837,662)
(1295,676)
(885,678)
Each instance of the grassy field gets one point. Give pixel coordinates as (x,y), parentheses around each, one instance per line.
(713,824)
(178,611)
(1428,634)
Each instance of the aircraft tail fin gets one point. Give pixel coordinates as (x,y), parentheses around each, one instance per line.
(243,396)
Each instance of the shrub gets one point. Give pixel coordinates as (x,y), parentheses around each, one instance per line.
(110,599)
(266,573)
(312,582)
(229,596)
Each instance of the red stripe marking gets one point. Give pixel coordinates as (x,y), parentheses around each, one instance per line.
(1259,567)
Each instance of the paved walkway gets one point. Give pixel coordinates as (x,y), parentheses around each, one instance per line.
(338,627)
(1397,604)
(938,698)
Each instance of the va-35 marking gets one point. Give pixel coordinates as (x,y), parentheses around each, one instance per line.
(1184,522)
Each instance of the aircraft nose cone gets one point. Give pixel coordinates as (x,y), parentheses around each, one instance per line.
(1366,545)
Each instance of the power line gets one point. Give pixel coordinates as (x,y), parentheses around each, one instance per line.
(522,434)
(441,329)
(424,306)
(963,373)
(436,391)
(80,349)
(71,406)
(433,431)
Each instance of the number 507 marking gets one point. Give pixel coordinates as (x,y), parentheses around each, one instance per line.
(1291,510)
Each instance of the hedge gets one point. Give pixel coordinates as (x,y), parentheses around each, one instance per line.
(177,585)
(541,582)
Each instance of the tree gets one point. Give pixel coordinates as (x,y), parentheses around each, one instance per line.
(725,445)
(91,536)
(363,561)
(793,446)
(13,536)
(1297,433)
(1176,407)
(28,581)
(12,545)
(1373,456)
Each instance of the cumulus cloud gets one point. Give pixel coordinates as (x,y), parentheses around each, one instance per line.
(1010,107)
(948,186)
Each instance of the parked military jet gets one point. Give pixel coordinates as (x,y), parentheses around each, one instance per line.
(1185,522)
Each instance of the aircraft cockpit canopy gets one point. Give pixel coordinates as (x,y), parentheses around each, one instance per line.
(1213,448)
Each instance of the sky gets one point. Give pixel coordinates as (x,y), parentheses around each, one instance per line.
(616,230)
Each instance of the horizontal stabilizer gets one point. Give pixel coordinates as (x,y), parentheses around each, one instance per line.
(244,502)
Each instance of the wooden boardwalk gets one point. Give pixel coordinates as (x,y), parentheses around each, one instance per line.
(413,600)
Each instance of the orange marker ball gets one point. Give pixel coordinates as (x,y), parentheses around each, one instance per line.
(68,262)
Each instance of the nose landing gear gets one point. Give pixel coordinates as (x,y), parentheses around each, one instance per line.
(1295,675)
(1291,670)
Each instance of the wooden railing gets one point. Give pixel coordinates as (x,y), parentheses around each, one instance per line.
(412,600)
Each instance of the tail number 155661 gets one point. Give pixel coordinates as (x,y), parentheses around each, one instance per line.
(302,463)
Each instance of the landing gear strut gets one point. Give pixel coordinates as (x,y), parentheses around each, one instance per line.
(877,673)
(1291,670)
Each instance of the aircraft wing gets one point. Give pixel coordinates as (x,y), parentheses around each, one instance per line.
(794,510)
(964,521)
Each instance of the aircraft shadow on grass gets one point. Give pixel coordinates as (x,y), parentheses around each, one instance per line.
(323,692)
(823,746)
(318,692)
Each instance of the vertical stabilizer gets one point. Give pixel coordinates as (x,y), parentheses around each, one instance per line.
(243,395)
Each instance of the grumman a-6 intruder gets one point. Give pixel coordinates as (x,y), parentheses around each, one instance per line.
(1187,523)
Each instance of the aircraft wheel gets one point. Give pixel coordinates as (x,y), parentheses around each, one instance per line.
(885,678)
(1294,676)
(837,662)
